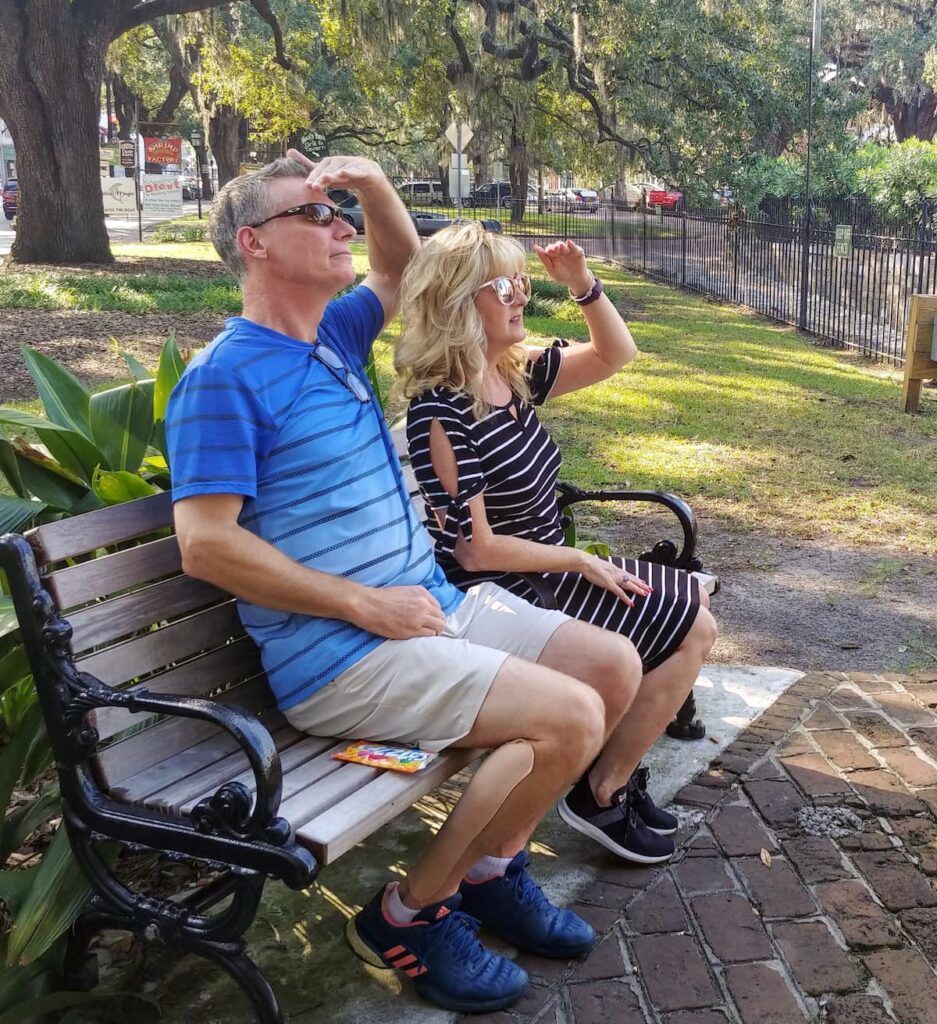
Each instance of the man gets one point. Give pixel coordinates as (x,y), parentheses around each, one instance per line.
(288,494)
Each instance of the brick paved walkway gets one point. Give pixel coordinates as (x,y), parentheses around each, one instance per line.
(805,892)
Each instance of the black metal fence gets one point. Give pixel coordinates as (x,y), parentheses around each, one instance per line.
(854,291)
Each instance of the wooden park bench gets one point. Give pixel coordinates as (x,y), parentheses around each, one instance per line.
(166,736)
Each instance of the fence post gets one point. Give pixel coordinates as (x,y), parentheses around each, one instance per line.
(644,236)
(683,246)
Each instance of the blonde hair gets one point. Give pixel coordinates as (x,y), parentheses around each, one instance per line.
(443,341)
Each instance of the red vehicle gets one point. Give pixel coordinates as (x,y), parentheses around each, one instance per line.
(666,198)
(9,199)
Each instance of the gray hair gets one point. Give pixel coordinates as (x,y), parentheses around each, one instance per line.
(245,200)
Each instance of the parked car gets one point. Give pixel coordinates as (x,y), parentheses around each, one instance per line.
(191,187)
(665,198)
(421,193)
(492,194)
(352,210)
(9,198)
(581,200)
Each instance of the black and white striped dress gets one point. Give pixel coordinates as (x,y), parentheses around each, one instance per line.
(510,457)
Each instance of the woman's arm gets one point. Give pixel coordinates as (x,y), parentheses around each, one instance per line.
(489,551)
(610,343)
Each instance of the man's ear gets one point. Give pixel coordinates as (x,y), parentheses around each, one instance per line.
(250,244)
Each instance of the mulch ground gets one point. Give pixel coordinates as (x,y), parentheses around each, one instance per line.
(805,890)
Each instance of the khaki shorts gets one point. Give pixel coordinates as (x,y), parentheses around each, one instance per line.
(427,691)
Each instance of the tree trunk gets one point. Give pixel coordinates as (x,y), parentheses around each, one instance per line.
(51,70)
(201,156)
(519,174)
(224,133)
(913,117)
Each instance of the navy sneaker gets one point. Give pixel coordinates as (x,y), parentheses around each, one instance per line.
(617,828)
(662,822)
(440,952)
(514,908)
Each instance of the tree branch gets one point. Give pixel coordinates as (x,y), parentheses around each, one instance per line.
(141,13)
(262,7)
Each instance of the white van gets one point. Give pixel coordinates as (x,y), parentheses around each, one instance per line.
(421,193)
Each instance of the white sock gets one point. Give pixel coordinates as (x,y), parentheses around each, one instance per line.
(395,908)
(488,867)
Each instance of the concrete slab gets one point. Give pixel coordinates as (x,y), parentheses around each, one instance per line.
(297,938)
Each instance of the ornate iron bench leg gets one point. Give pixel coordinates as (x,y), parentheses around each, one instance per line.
(232,958)
(686,726)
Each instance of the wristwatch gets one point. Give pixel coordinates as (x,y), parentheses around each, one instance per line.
(591,295)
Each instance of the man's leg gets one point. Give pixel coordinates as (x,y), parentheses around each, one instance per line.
(563,722)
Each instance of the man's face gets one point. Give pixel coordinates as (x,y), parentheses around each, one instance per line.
(299,251)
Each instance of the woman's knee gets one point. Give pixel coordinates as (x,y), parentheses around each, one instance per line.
(704,632)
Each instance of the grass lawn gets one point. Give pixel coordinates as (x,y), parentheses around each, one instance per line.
(745,418)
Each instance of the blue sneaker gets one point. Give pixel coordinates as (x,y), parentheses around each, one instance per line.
(515,909)
(440,953)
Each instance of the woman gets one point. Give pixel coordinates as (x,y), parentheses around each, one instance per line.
(487,470)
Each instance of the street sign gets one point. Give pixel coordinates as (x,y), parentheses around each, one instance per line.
(452,134)
(128,153)
(842,242)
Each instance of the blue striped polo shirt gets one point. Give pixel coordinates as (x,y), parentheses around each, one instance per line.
(256,414)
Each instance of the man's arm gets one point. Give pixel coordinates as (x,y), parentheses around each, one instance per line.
(217,549)
(389,232)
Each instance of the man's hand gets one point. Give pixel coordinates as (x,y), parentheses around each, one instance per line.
(399,613)
(352,172)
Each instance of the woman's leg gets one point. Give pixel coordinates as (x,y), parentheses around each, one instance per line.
(660,695)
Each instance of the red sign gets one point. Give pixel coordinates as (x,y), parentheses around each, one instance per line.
(163,151)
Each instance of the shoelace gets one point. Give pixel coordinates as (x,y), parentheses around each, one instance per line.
(529,893)
(460,932)
(641,777)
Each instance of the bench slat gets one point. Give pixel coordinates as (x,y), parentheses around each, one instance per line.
(294,756)
(161,647)
(346,822)
(173,735)
(107,621)
(343,780)
(102,528)
(108,574)
(137,787)
(201,676)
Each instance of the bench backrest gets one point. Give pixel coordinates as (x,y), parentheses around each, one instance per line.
(138,621)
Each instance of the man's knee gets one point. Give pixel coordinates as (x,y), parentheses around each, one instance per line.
(581,726)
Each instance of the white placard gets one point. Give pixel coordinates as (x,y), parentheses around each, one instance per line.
(162,194)
(120,198)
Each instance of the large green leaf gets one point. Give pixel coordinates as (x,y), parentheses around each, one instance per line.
(171,368)
(10,469)
(16,513)
(122,424)
(56,897)
(8,623)
(47,480)
(116,488)
(35,1010)
(63,397)
(15,886)
(27,819)
(139,371)
(14,665)
(13,756)
(74,452)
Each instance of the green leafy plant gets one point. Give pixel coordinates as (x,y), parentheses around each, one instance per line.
(92,449)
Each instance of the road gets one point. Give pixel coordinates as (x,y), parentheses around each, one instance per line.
(117,230)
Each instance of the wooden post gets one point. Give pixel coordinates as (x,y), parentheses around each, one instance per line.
(918,364)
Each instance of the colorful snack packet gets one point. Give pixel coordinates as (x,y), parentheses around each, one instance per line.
(385,755)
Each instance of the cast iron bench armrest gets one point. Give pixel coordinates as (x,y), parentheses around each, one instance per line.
(221,827)
(569,495)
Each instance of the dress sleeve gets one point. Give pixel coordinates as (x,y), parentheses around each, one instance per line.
(456,421)
(544,369)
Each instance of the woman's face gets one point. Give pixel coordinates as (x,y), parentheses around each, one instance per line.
(503,323)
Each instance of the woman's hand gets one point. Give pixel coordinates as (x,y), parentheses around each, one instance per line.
(565,262)
(608,575)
